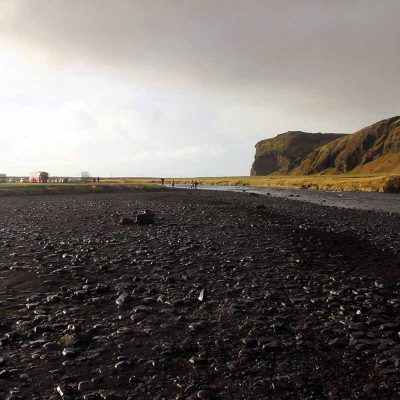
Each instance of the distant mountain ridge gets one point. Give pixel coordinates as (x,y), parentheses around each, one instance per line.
(375,148)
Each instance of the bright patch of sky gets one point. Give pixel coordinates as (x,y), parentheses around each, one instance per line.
(150,88)
(65,121)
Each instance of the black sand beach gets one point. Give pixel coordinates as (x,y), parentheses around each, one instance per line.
(297,300)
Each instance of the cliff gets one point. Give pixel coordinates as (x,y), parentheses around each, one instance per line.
(286,151)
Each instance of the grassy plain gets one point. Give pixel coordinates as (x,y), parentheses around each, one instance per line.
(373,182)
(13,189)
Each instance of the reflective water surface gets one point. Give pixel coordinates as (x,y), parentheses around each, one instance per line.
(388,202)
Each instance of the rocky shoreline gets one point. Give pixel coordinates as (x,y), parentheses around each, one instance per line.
(225,296)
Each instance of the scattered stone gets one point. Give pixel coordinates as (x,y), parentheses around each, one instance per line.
(122,365)
(337,343)
(198,326)
(127,221)
(294,301)
(204,394)
(203,295)
(69,352)
(122,299)
(63,390)
(145,218)
(138,317)
(271,346)
(85,386)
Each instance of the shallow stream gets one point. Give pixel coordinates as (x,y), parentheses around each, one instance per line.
(387,202)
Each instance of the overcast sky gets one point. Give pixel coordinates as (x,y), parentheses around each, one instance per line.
(186,87)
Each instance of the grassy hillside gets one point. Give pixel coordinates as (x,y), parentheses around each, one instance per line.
(388,162)
(285,152)
(370,149)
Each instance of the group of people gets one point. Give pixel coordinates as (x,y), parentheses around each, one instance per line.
(193,184)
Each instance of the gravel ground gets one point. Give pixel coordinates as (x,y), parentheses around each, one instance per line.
(371,201)
(225,296)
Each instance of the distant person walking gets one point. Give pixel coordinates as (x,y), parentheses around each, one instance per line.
(195,184)
(173,183)
(162,181)
(98,179)
(192,184)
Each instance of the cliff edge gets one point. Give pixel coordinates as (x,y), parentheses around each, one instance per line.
(286,151)
(373,149)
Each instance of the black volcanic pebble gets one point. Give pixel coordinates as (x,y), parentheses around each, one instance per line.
(299,297)
(145,218)
(127,221)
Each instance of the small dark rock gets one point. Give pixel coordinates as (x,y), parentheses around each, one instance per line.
(126,221)
(122,299)
(145,218)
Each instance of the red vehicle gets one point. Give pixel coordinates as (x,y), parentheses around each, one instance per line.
(39,177)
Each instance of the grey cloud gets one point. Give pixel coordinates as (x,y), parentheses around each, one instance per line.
(325,55)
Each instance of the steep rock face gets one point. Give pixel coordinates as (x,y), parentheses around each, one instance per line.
(368,145)
(286,151)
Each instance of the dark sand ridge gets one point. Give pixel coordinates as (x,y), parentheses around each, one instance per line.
(302,300)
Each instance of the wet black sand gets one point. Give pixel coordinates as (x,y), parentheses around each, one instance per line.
(386,202)
(302,301)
